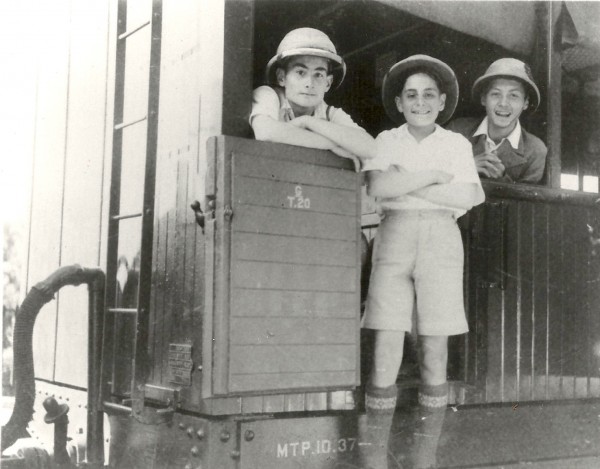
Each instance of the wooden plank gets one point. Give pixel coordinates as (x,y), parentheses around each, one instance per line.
(511,313)
(556,302)
(267,331)
(541,255)
(528,313)
(293,381)
(293,249)
(276,169)
(302,223)
(292,303)
(277,359)
(273,275)
(293,196)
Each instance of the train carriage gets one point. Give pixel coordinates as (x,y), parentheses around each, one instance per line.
(222,328)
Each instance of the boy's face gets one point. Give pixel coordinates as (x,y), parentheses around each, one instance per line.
(421,101)
(504,102)
(306,80)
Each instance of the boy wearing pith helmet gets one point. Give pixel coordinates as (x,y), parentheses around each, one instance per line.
(291,109)
(424,178)
(503,149)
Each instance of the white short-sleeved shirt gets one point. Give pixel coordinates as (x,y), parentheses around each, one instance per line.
(443,150)
(271,102)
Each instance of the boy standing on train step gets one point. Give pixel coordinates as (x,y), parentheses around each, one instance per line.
(424,178)
(292,108)
(503,149)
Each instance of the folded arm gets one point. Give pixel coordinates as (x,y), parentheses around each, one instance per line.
(352,139)
(459,195)
(268,129)
(397,183)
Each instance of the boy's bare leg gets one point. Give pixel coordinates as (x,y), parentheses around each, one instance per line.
(433,359)
(387,357)
(380,398)
(433,400)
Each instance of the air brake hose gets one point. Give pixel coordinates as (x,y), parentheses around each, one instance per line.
(23,370)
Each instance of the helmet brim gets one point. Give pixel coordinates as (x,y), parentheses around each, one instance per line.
(339,71)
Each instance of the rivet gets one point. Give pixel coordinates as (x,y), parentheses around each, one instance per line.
(200,434)
(181,425)
(190,431)
(249,435)
(235,454)
(225,435)
(195,451)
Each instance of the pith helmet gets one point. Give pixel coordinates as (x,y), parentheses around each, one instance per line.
(395,78)
(508,68)
(307,41)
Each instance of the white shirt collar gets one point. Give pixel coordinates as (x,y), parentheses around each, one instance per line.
(438,131)
(513,138)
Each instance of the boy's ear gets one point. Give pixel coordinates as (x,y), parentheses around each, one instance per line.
(398,102)
(329,82)
(526,104)
(442,101)
(280,75)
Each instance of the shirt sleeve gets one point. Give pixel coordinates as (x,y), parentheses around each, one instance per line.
(463,166)
(383,154)
(341,117)
(265,102)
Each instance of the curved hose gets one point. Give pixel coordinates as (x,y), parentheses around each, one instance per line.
(39,295)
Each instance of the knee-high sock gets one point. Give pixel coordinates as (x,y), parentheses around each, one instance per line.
(380,404)
(430,415)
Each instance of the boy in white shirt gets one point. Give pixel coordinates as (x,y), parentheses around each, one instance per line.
(424,178)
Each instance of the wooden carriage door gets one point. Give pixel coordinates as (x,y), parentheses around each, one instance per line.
(286,269)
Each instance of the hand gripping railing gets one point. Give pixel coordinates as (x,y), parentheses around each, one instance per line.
(39,295)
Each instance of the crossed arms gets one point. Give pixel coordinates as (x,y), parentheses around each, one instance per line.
(433,186)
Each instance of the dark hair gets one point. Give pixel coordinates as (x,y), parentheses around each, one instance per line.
(414,71)
(285,62)
(487,84)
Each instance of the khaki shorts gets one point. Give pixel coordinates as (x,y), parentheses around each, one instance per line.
(417,255)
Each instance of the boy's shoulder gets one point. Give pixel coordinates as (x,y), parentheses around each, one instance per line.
(533,143)
(465,126)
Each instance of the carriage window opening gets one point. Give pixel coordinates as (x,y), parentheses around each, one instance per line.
(590,184)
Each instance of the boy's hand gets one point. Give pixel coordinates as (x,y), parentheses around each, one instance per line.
(346,154)
(302,121)
(489,165)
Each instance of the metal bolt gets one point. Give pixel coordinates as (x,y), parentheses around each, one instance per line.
(249,435)
(225,435)
(235,454)
(200,434)
(195,451)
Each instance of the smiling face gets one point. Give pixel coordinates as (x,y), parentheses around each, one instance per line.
(420,101)
(306,79)
(504,101)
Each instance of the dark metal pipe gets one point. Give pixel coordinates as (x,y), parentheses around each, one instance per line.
(39,295)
